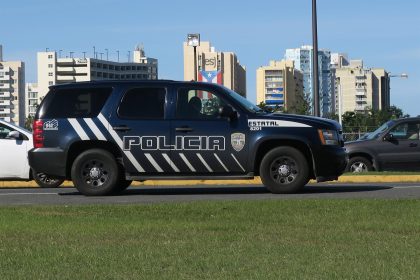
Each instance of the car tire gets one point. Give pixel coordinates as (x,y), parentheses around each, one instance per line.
(95,172)
(284,170)
(359,165)
(45,181)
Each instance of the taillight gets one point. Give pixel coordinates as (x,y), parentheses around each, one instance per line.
(38,133)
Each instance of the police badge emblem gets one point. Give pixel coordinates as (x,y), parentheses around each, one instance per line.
(238,141)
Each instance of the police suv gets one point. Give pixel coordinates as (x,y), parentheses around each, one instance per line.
(103,135)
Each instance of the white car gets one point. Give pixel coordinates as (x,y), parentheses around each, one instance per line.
(15,142)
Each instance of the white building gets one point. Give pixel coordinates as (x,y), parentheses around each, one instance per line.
(54,70)
(32,100)
(12,91)
(303,62)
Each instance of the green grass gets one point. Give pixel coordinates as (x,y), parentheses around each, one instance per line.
(291,239)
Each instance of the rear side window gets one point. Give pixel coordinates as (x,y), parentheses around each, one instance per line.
(143,103)
(76,103)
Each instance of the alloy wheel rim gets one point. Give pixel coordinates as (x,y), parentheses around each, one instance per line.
(95,173)
(284,170)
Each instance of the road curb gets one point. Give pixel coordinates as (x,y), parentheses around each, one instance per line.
(255,181)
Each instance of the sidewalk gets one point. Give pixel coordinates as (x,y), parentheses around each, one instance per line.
(255,181)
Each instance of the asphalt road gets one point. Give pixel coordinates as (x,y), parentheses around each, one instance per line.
(135,195)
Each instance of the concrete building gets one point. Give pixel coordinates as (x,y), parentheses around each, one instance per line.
(303,62)
(279,85)
(338,60)
(12,91)
(360,89)
(56,70)
(32,100)
(215,67)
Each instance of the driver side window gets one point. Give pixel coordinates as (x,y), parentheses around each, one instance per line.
(406,131)
(4,131)
(198,104)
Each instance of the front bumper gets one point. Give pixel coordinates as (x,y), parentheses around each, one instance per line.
(329,162)
(51,161)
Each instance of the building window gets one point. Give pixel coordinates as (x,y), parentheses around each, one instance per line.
(50,83)
(50,56)
(50,74)
(50,66)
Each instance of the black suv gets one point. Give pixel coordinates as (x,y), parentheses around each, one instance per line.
(102,135)
(394,146)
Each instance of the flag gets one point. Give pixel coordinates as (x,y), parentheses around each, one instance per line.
(214,77)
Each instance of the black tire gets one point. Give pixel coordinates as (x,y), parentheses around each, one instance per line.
(45,181)
(284,170)
(359,165)
(95,172)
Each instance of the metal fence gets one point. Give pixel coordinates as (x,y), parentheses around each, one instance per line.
(357,132)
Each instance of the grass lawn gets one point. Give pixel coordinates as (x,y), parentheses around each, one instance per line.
(292,239)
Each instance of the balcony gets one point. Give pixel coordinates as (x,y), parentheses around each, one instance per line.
(360,107)
(5,111)
(67,79)
(65,70)
(4,94)
(4,102)
(7,119)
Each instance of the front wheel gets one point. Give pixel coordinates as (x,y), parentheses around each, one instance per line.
(95,172)
(45,181)
(284,170)
(359,165)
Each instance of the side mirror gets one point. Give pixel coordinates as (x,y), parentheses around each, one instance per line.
(389,137)
(14,135)
(228,112)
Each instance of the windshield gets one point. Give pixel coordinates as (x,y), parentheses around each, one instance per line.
(248,105)
(379,130)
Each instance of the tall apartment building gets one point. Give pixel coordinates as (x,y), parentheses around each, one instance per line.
(12,91)
(215,67)
(303,62)
(338,60)
(56,70)
(32,100)
(360,89)
(279,85)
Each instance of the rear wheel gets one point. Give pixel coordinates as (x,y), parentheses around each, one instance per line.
(284,170)
(95,172)
(45,181)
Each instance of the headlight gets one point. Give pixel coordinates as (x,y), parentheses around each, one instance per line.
(328,137)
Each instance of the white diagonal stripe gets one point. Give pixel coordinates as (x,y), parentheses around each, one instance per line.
(78,128)
(153,162)
(94,129)
(120,144)
(187,162)
(171,163)
(221,163)
(204,162)
(238,162)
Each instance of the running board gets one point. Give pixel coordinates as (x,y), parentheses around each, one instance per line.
(249,176)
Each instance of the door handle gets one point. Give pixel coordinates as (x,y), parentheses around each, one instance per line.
(412,145)
(183,129)
(121,128)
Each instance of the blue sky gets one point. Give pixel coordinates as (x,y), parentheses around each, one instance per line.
(383,33)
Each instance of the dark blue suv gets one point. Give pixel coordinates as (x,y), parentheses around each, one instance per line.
(102,135)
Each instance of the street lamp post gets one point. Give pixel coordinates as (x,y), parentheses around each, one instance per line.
(193,40)
(315,73)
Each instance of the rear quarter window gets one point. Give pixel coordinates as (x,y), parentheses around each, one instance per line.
(75,103)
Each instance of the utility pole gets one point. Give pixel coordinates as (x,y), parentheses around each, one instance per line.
(315,74)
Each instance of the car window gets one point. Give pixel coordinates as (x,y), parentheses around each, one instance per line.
(406,131)
(4,131)
(143,103)
(198,104)
(76,103)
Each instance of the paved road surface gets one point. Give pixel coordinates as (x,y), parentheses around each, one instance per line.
(68,196)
